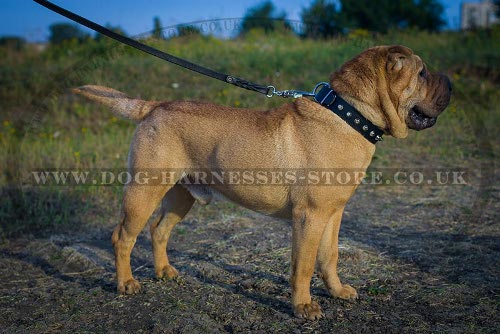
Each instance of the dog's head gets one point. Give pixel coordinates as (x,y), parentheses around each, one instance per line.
(393,88)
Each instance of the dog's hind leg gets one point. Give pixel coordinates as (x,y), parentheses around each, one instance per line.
(175,205)
(139,202)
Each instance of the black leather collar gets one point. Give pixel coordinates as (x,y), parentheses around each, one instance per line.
(329,99)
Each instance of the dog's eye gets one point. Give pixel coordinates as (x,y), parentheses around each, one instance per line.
(423,73)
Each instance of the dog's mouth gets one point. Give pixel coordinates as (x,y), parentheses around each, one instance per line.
(417,120)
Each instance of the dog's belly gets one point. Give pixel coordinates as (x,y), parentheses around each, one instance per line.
(269,200)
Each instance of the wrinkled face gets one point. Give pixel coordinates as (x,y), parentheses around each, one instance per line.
(419,94)
(393,88)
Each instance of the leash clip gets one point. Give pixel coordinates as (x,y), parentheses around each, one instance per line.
(271,91)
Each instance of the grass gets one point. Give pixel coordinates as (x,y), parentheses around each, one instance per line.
(43,126)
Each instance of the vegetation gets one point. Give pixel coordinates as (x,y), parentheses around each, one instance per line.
(265,17)
(44,126)
(321,19)
(61,32)
(324,19)
(157,28)
(387,14)
(188,30)
(116,29)
(424,259)
(13,42)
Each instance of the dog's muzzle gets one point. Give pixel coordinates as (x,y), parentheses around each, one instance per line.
(424,115)
(418,121)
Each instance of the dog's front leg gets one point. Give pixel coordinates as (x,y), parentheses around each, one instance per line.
(328,255)
(308,227)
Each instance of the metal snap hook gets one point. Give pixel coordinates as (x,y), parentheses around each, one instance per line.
(271,90)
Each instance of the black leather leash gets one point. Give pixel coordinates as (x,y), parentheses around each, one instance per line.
(322,93)
(155,52)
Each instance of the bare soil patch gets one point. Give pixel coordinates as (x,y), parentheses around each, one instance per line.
(421,263)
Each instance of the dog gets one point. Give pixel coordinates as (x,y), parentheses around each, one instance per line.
(389,85)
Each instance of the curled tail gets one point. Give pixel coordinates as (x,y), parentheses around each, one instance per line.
(120,104)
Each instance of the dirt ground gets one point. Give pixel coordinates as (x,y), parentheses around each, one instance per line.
(422,260)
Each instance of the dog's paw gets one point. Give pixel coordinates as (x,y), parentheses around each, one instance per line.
(346,292)
(167,272)
(130,287)
(310,311)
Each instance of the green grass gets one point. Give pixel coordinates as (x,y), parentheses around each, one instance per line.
(43,126)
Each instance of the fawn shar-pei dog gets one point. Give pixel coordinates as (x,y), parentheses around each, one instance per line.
(388,85)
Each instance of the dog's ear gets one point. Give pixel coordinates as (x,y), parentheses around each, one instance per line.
(396,56)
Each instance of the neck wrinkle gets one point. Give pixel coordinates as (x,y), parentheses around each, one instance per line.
(370,110)
(364,91)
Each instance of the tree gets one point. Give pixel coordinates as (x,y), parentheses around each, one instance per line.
(372,15)
(60,32)
(321,20)
(157,28)
(263,16)
(386,14)
(13,42)
(427,15)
